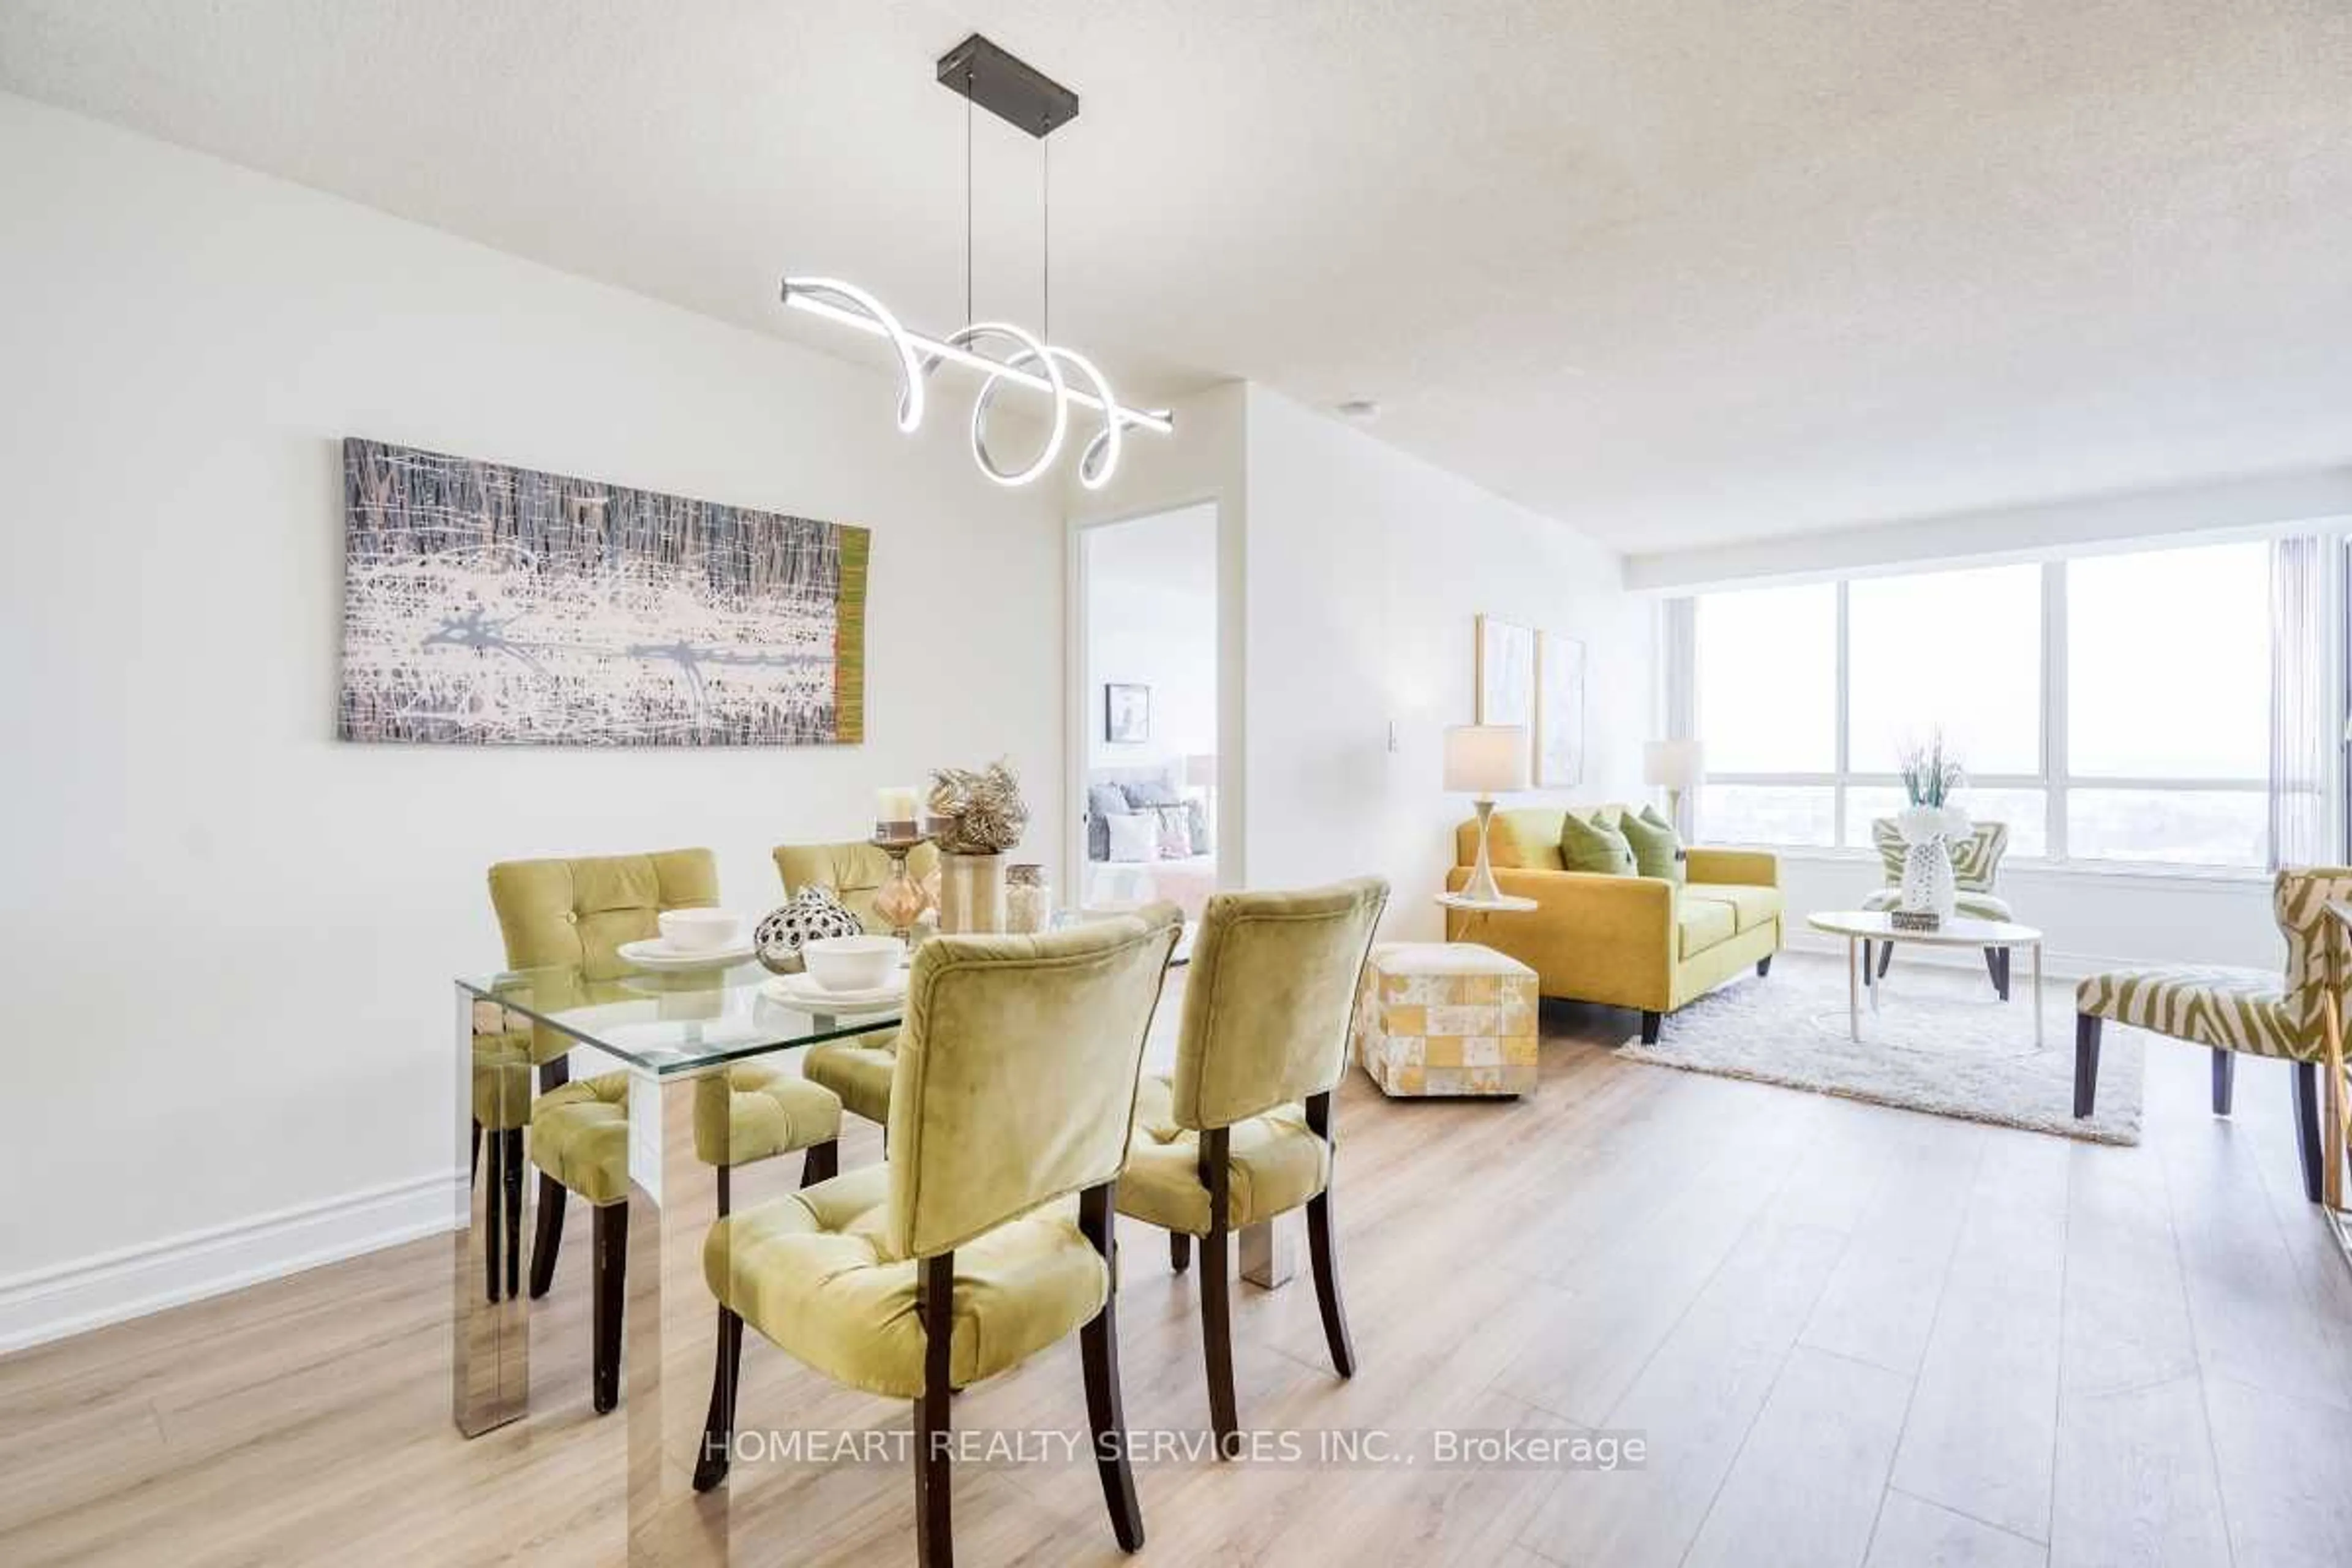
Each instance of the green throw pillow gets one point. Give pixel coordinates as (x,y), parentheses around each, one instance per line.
(1593,847)
(1657,847)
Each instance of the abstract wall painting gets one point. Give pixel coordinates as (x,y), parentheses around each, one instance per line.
(1507,673)
(1559,711)
(485,604)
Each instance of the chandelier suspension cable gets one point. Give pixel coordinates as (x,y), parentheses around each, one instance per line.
(966,196)
(1046,241)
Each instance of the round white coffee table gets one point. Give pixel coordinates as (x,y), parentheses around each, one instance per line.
(1859,926)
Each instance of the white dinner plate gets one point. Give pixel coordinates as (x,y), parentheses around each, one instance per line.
(658,955)
(803,991)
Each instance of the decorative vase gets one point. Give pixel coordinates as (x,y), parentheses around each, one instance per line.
(807,915)
(1028,901)
(971,893)
(1929,893)
(899,901)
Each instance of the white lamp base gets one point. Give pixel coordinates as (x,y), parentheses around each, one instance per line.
(1481,888)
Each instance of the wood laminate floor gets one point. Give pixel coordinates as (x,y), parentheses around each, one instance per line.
(1847,1336)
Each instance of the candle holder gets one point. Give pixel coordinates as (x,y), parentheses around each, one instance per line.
(900,900)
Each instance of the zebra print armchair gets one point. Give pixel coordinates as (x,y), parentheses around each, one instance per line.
(1975,865)
(2233,1012)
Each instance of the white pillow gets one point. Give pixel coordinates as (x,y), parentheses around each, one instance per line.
(1135,836)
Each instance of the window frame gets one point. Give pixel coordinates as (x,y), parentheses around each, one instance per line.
(2053,780)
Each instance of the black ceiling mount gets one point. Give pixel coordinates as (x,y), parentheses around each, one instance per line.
(1010,89)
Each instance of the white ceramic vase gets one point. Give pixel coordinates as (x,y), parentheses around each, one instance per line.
(1929,888)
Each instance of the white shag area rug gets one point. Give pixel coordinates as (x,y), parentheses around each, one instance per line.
(1941,1041)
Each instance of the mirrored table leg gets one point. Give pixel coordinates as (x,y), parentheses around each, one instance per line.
(489,1361)
(1269,1253)
(670,1338)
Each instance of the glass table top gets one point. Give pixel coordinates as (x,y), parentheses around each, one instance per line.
(673,1023)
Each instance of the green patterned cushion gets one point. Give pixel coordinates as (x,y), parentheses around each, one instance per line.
(1976,859)
(1657,847)
(1590,846)
(2244,1010)
(2205,1005)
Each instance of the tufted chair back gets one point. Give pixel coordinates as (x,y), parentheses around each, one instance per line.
(852,870)
(1269,999)
(2314,959)
(1976,859)
(577,913)
(1016,1074)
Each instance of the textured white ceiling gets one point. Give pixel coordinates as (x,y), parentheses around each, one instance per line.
(1678,274)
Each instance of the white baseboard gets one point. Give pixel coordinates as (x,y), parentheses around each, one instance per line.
(66,1299)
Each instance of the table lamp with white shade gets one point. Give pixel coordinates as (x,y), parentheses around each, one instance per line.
(1676,767)
(1486,760)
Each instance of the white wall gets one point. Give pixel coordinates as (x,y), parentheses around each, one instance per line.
(228,938)
(1151,620)
(1365,571)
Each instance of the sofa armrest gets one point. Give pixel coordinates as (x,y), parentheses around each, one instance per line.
(1603,938)
(1745,868)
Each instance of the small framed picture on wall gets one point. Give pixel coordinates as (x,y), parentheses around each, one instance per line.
(1507,673)
(1126,714)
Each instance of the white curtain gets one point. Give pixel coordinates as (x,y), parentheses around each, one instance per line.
(1680,636)
(2302,737)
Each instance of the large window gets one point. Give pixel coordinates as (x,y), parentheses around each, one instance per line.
(2111,707)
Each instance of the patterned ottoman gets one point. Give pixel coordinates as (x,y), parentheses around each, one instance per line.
(1446,1018)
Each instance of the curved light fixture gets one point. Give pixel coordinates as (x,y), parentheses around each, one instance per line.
(918,355)
(1029,350)
(986,77)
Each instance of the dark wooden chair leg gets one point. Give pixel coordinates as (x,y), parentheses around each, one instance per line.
(1997,965)
(1869,962)
(1098,1351)
(822,1163)
(935,1303)
(1179,1251)
(610,1239)
(474,1162)
(719,1426)
(2225,1075)
(2307,1127)
(511,1180)
(2086,1063)
(1886,958)
(1649,1025)
(546,1242)
(1763,966)
(1323,1253)
(1217,1298)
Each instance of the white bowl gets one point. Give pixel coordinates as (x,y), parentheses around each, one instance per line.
(851,963)
(699,930)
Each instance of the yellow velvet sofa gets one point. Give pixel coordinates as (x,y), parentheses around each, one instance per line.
(1627,941)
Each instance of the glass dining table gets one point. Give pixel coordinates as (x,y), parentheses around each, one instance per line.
(674,1035)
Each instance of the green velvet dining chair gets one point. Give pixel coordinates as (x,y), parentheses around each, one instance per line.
(986,1235)
(565,920)
(858,1069)
(1243,1132)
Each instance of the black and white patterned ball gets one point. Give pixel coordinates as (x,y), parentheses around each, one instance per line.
(809,915)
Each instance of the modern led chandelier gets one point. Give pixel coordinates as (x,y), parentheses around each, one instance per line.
(1005,355)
